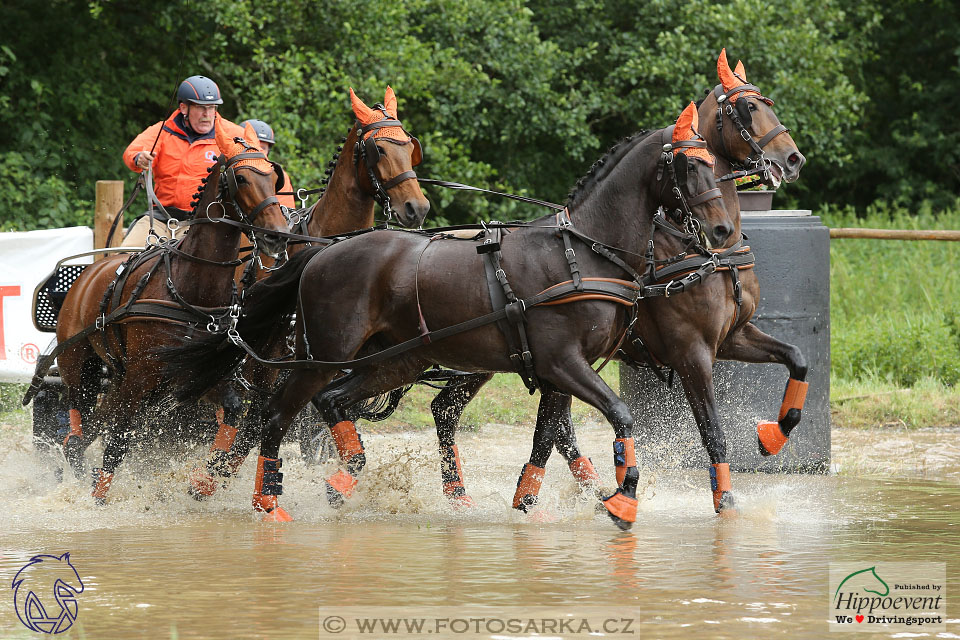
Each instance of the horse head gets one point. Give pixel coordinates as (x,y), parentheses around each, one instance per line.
(251,182)
(385,156)
(748,131)
(694,197)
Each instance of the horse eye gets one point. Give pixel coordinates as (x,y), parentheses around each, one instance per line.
(752,106)
(241,180)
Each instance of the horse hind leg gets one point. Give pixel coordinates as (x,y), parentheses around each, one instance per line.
(81,402)
(447,408)
(335,402)
(220,463)
(573,375)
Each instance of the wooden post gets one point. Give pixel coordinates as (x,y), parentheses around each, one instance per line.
(109,201)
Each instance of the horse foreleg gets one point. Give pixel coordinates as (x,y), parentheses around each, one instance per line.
(573,375)
(696,376)
(749,344)
(447,408)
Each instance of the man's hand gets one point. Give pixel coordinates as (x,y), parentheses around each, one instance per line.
(144,158)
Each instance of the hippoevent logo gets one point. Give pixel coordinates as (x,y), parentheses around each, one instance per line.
(45,594)
(888,596)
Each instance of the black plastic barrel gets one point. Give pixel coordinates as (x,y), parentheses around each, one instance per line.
(793,268)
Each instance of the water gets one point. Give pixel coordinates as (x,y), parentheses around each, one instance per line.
(156,564)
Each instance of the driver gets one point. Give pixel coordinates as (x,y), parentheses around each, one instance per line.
(185,147)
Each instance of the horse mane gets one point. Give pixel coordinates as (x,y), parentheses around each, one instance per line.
(602,167)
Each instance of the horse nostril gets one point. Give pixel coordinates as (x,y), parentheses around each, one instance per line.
(795,159)
(720,233)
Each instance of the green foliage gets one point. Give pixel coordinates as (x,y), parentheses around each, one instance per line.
(504,94)
(895,305)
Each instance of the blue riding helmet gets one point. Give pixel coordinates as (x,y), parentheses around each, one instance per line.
(264,131)
(199,90)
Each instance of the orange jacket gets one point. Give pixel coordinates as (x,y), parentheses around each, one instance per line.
(179,164)
(288,201)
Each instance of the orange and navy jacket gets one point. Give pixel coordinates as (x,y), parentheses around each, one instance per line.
(182,158)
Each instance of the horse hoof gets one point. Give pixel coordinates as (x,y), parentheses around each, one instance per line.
(770,438)
(620,522)
(279,514)
(726,505)
(100,502)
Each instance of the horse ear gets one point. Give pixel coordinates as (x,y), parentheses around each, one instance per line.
(390,102)
(65,557)
(686,127)
(739,71)
(364,114)
(250,135)
(726,76)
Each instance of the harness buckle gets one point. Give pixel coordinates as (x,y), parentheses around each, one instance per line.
(101,322)
(570,253)
(666,290)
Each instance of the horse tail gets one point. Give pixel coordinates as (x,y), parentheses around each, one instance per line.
(196,365)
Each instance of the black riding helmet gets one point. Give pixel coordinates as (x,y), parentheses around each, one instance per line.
(199,90)
(264,131)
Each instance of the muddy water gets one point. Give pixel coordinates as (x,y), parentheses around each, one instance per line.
(156,564)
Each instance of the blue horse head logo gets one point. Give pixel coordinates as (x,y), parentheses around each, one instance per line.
(45,594)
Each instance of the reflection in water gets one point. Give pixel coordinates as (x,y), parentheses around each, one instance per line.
(157,564)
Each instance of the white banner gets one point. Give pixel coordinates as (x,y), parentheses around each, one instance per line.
(26,258)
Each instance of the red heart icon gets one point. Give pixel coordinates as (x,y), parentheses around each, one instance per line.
(859,618)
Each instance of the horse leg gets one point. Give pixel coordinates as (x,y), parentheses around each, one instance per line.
(749,344)
(447,408)
(81,400)
(334,403)
(566,443)
(549,412)
(219,464)
(696,376)
(118,406)
(282,408)
(573,375)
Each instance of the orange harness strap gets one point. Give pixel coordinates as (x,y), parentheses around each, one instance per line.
(793,397)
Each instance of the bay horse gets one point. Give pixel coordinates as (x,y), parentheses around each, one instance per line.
(686,333)
(122,307)
(376,295)
(374,164)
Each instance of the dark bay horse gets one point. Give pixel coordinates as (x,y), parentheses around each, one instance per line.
(376,294)
(121,308)
(373,165)
(685,332)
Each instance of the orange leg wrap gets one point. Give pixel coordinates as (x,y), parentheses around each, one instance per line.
(225,437)
(624,455)
(622,507)
(719,482)
(451,471)
(582,469)
(76,428)
(269,479)
(347,439)
(793,397)
(101,485)
(528,486)
(343,482)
